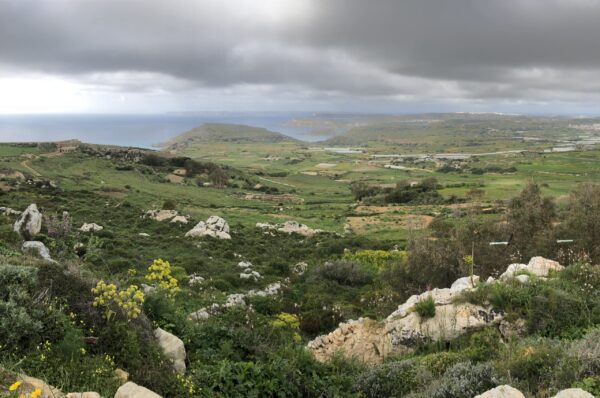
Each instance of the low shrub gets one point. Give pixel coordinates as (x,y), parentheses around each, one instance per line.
(392,379)
(466,380)
(426,308)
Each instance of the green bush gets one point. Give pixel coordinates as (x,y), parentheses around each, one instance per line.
(345,273)
(532,363)
(466,380)
(426,308)
(392,379)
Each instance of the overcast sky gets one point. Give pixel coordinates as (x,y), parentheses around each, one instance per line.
(135,56)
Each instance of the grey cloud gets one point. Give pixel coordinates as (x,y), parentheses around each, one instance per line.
(410,50)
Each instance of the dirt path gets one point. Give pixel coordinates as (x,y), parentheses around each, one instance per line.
(33,171)
(277,182)
(26,163)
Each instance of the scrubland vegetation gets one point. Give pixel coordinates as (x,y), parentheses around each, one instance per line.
(74,322)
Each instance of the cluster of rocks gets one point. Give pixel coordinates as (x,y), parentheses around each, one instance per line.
(127,390)
(9,212)
(507,391)
(289,227)
(402,330)
(248,272)
(91,227)
(214,226)
(164,215)
(235,300)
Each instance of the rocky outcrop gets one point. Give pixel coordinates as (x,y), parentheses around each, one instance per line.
(172,347)
(132,390)
(91,227)
(504,391)
(30,222)
(290,227)
(249,274)
(537,266)
(404,328)
(507,391)
(37,248)
(7,211)
(161,215)
(363,339)
(214,226)
(235,300)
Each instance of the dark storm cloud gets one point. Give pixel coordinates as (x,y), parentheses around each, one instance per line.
(537,50)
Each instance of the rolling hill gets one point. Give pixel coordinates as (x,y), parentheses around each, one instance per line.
(220,132)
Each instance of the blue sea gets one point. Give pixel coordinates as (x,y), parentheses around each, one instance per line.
(144,131)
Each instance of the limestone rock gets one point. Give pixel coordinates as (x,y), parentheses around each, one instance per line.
(39,249)
(290,227)
(195,280)
(573,393)
(249,274)
(31,383)
(234,300)
(121,375)
(449,322)
(200,315)
(300,268)
(88,394)
(132,390)
(245,264)
(144,234)
(180,219)
(214,226)
(540,266)
(92,227)
(161,215)
(512,270)
(272,289)
(9,212)
(464,283)
(363,340)
(30,222)
(504,391)
(172,347)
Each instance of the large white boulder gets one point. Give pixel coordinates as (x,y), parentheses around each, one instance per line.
(132,390)
(91,227)
(214,226)
(180,219)
(512,270)
(30,222)
(504,391)
(172,347)
(39,249)
(573,393)
(540,266)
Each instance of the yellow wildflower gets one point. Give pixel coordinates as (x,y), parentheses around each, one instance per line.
(15,385)
(36,393)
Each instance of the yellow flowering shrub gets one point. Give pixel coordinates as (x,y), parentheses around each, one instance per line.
(286,320)
(129,300)
(159,272)
(376,259)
